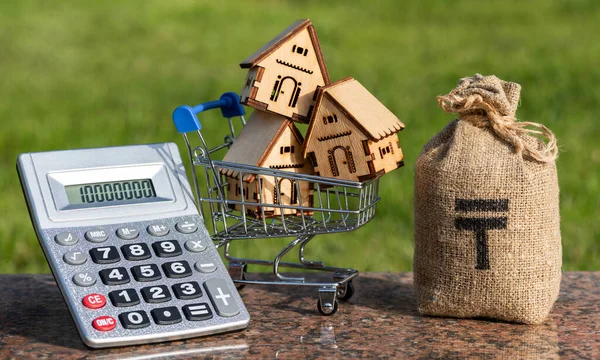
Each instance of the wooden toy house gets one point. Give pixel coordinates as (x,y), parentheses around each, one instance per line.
(272,141)
(352,135)
(285,73)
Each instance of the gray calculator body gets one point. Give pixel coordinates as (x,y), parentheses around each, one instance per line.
(119,226)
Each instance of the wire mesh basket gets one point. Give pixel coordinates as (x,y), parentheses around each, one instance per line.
(295,205)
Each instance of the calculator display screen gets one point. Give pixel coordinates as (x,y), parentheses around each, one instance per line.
(111,193)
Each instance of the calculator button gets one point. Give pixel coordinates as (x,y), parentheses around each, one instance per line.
(96,236)
(146,272)
(115,276)
(166,316)
(156,294)
(134,319)
(104,323)
(195,246)
(105,255)
(197,312)
(186,227)
(127,233)
(66,238)
(221,297)
(75,258)
(167,248)
(158,229)
(205,267)
(136,251)
(187,290)
(125,297)
(84,279)
(177,269)
(94,301)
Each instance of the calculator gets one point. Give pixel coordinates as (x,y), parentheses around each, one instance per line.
(127,246)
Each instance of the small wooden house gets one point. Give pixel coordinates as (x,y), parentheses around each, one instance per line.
(352,135)
(271,141)
(284,74)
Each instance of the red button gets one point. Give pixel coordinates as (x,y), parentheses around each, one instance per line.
(94,301)
(104,323)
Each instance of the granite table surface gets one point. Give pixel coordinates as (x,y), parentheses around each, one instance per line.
(381,320)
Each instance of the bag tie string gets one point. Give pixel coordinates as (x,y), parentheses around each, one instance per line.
(474,109)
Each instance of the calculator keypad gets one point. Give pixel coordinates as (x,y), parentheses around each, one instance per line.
(166,316)
(104,323)
(135,252)
(96,235)
(197,312)
(66,239)
(159,277)
(157,229)
(114,276)
(145,273)
(169,248)
(222,299)
(205,266)
(125,297)
(105,255)
(127,233)
(187,290)
(134,319)
(186,227)
(84,279)
(195,245)
(75,257)
(156,294)
(177,269)
(94,301)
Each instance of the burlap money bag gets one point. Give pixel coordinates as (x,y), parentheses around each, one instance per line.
(487,234)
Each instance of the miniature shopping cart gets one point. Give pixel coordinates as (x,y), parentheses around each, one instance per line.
(336,206)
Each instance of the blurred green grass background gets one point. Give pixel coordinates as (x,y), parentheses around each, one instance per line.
(91,74)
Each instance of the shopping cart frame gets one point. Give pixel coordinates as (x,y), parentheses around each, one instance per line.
(338,206)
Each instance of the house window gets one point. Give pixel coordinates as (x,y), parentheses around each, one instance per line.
(238,191)
(286,149)
(384,150)
(292,198)
(299,50)
(330,119)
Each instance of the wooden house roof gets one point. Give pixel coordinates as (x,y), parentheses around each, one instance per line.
(360,106)
(257,139)
(283,37)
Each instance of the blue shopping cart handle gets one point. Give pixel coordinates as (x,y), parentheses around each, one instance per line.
(185,118)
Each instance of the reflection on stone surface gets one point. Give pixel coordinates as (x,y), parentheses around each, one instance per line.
(184,350)
(380,320)
(326,336)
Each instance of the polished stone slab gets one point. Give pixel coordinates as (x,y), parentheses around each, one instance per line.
(381,320)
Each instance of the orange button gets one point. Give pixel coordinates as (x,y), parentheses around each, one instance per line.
(94,301)
(104,323)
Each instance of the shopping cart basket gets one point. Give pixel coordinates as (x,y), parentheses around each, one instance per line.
(337,206)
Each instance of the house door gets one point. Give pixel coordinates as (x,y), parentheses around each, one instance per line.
(341,158)
(288,88)
(287,191)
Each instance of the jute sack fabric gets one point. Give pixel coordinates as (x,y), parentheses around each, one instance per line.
(487,232)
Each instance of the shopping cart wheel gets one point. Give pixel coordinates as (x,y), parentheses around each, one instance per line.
(328,309)
(237,271)
(345,291)
(327,303)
